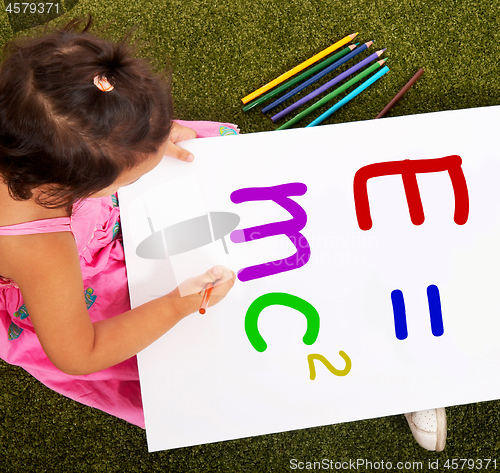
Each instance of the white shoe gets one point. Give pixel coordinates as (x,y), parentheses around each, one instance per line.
(429,428)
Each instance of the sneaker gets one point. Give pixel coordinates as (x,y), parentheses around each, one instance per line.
(429,428)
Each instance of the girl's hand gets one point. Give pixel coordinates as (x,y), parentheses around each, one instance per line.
(179,133)
(189,293)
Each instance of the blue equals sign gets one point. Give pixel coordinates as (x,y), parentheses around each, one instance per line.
(399,310)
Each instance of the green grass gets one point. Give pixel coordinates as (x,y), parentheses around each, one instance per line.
(221,51)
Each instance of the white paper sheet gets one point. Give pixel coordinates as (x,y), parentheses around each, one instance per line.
(204,381)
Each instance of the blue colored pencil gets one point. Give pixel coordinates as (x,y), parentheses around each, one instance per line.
(308,72)
(317,77)
(328,85)
(350,96)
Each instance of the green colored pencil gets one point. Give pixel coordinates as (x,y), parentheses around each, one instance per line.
(331,95)
(297,79)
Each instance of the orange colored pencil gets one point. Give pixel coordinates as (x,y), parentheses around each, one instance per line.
(298,68)
(206,298)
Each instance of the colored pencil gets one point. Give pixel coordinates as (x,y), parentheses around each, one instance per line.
(299,68)
(317,77)
(329,84)
(332,95)
(349,97)
(300,77)
(398,96)
(206,298)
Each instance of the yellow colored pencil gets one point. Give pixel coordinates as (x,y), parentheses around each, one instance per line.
(298,68)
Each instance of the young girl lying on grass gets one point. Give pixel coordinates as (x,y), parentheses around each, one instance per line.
(80,117)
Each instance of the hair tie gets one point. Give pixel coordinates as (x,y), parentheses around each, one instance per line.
(102,83)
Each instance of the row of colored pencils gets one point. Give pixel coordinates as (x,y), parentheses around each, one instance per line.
(317,72)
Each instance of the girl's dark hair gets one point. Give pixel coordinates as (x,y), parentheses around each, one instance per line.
(59,130)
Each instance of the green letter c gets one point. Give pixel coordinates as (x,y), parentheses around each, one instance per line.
(288,300)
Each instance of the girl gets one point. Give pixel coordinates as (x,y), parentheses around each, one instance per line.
(80,118)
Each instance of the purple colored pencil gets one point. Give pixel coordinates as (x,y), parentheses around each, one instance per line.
(329,84)
(317,77)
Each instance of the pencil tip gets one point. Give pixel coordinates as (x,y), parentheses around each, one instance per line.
(381,51)
(369,43)
(352,36)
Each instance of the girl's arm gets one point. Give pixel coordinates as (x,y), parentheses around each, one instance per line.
(47,269)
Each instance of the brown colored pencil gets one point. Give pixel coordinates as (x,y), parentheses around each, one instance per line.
(400,94)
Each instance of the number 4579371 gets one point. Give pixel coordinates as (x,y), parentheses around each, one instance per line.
(32,7)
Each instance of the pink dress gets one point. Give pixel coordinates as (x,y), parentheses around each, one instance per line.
(96,229)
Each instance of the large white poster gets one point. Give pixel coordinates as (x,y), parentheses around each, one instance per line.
(367,257)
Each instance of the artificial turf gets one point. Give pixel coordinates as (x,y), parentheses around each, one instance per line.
(220,51)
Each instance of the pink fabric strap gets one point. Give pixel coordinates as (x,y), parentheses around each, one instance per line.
(48,225)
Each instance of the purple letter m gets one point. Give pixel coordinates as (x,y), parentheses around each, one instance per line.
(291,228)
